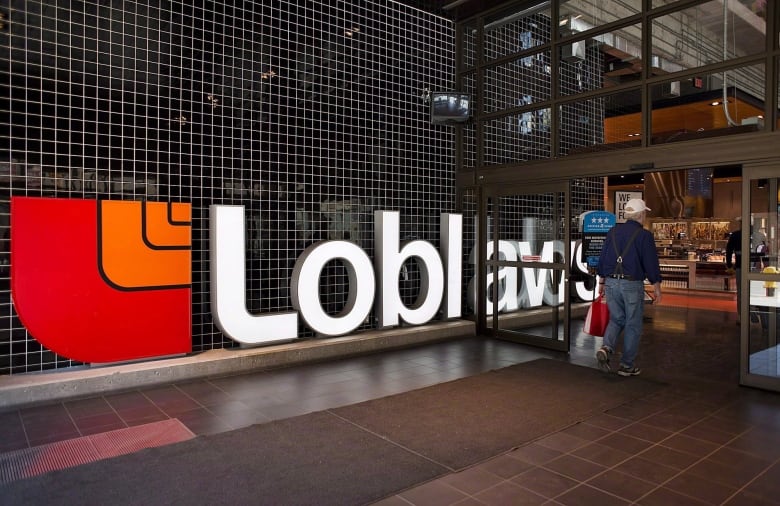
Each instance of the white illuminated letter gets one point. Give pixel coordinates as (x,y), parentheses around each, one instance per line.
(451,228)
(389,259)
(507,279)
(532,290)
(553,297)
(305,289)
(579,286)
(228,284)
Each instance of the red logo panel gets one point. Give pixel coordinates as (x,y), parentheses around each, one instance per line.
(103,281)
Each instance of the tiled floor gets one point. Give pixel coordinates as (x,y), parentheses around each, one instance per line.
(703,440)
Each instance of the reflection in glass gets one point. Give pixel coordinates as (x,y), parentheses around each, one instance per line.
(605,60)
(517,138)
(578,16)
(764,328)
(707,106)
(764,245)
(520,28)
(519,82)
(528,293)
(600,124)
(693,37)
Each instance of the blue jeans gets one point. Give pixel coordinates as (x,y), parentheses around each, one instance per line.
(626,302)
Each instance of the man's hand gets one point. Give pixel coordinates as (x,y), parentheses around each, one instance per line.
(657,293)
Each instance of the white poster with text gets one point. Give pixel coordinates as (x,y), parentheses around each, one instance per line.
(621,199)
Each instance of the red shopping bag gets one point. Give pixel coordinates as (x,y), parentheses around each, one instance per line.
(598,317)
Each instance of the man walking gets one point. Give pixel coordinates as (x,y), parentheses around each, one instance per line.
(629,256)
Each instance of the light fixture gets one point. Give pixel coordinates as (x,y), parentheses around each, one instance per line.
(715,103)
(349,32)
(267,74)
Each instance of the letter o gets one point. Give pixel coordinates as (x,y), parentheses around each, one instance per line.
(305,291)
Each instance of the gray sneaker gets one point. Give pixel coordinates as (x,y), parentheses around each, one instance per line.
(602,357)
(629,371)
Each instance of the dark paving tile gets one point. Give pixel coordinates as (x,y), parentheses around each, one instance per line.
(601,454)
(52,437)
(708,433)
(433,493)
(585,495)
(759,442)
(534,454)
(205,393)
(647,432)
(586,431)
(646,470)
(508,493)
(666,497)
(731,476)
(767,485)
(736,458)
(472,480)
(44,414)
(562,442)
(672,422)
(695,486)
(99,419)
(668,457)
(545,482)
(625,443)
(141,414)
(128,400)
(690,445)
(148,417)
(170,400)
(636,410)
(99,429)
(506,467)
(85,408)
(744,498)
(574,467)
(608,422)
(621,485)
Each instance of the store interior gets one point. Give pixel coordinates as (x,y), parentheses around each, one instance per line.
(693,213)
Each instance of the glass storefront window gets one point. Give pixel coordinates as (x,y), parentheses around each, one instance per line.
(517,83)
(579,16)
(598,124)
(519,29)
(764,293)
(693,108)
(601,61)
(702,35)
(518,137)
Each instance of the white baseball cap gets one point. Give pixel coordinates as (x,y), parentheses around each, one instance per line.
(636,206)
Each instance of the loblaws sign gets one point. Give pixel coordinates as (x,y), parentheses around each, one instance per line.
(106,281)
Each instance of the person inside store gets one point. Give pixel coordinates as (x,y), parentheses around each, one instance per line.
(734,249)
(628,257)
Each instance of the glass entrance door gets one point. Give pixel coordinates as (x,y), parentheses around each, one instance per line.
(760,309)
(527,260)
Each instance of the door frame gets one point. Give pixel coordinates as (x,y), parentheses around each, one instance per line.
(560,316)
(752,172)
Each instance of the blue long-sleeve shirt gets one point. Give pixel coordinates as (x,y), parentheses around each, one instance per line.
(641,259)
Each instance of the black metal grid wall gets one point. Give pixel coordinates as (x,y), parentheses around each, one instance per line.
(310,114)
